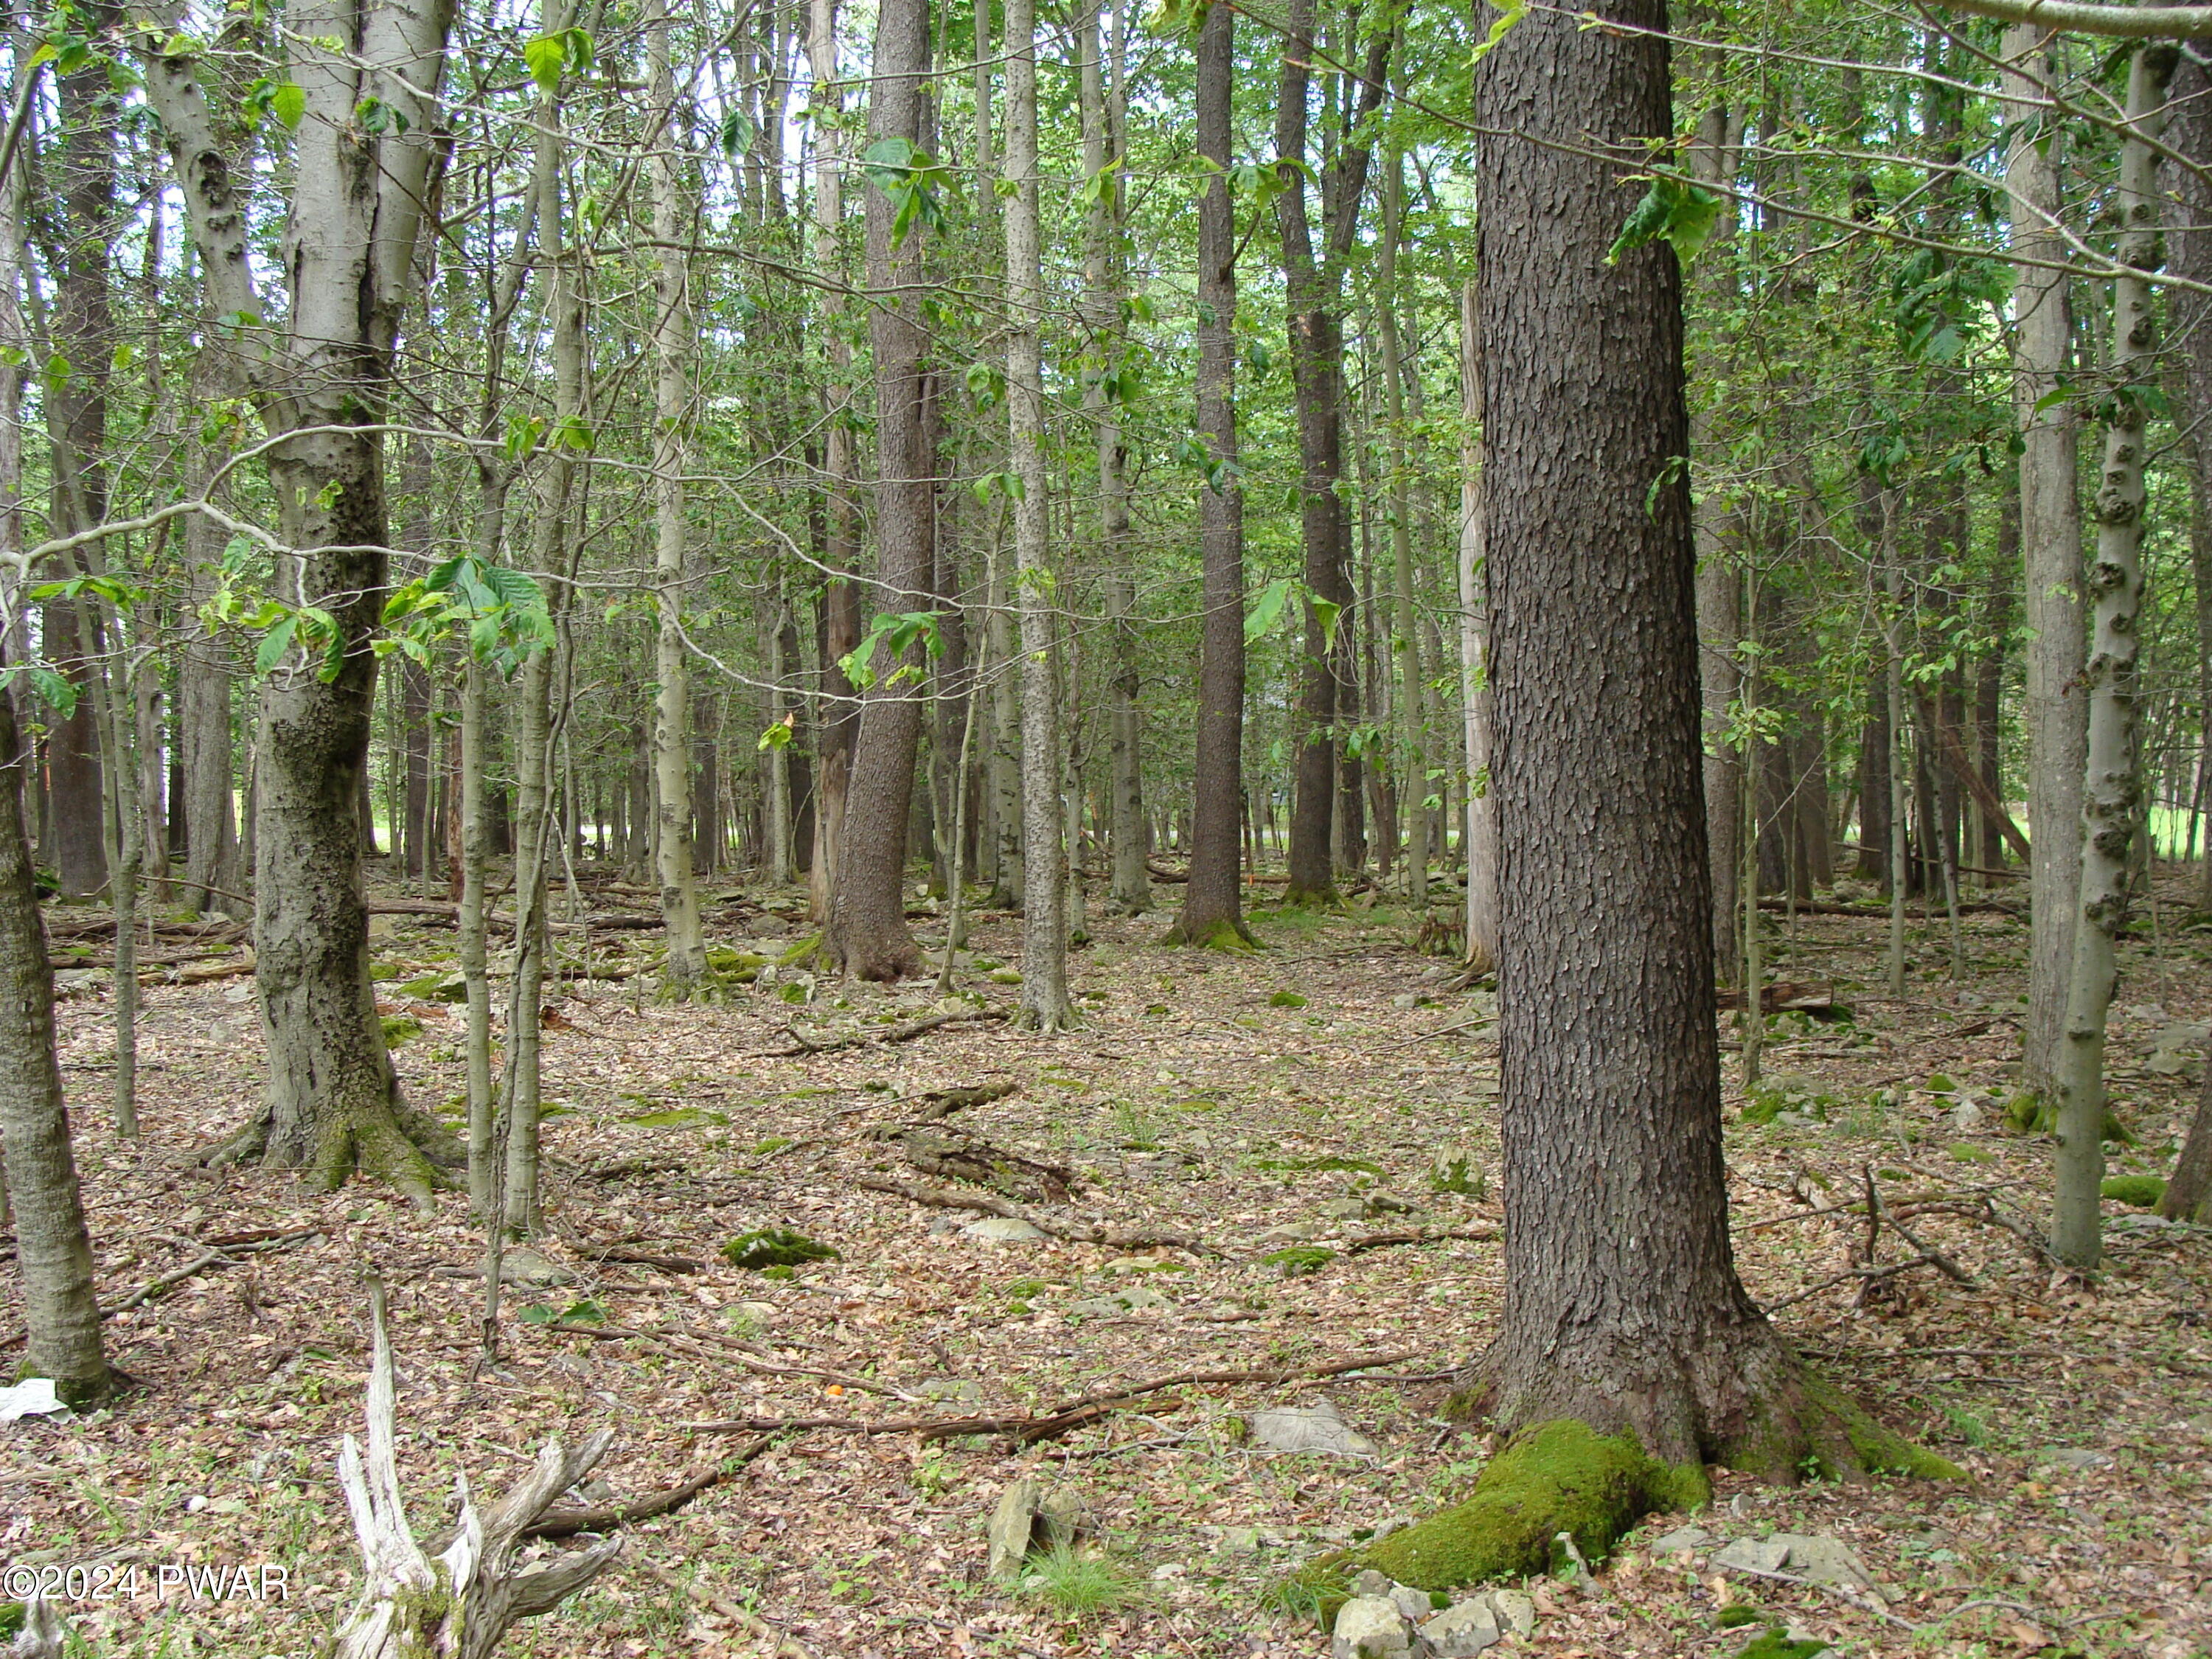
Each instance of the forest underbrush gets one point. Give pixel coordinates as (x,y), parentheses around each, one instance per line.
(1272,1174)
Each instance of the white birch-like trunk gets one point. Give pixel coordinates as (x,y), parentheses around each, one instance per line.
(2111,795)
(674,343)
(1413,707)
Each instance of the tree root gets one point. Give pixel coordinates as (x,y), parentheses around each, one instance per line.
(388,1141)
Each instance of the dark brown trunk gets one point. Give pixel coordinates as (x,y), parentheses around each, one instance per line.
(1212,910)
(1622,1304)
(867,936)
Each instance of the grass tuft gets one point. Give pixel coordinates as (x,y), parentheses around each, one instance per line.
(1078,1585)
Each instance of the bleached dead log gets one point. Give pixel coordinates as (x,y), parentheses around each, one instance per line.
(459,1604)
(43,1635)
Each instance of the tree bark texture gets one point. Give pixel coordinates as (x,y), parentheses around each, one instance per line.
(52,1248)
(1623,1307)
(2050,544)
(1213,912)
(2112,794)
(867,936)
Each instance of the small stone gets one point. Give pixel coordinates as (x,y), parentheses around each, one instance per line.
(1683,1541)
(961,1390)
(1966,1117)
(1371,1583)
(1741,1504)
(1824,1560)
(1412,1605)
(1002,1229)
(1460,1630)
(1168,1571)
(1517,1613)
(1289,1232)
(1317,1428)
(1013,1529)
(2075,1457)
(1753,1555)
(1344,1209)
(1241,1540)
(1369,1627)
(520,1264)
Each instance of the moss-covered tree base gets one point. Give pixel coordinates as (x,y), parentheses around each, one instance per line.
(1563,1476)
(1314,898)
(384,1140)
(1227,934)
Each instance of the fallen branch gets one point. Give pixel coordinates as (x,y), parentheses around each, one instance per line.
(738,1352)
(963,1158)
(802,1046)
(940,1103)
(1418,1236)
(1784,999)
(1866,1604)
(946,1198)
(1048,1425)
(567,1523)
(670,1264)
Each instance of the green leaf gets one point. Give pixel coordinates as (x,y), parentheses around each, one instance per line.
(1267,609)
(1681,214)
(274,644)
(547,57)
(1328,613)
(288,104)
(1511,15)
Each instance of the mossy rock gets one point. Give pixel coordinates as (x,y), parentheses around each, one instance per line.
(1964,1151)
(436,987)
(1555,1477)
(1772,1644)
(1299,1260)
(800,952)
(399,1028)
(2143,1191)
(1286,999)
(776,1247)
(732,966)
(681,1117)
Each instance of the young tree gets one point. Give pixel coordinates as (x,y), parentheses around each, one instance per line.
(1045,1005)
(1213,914)
(53,1251)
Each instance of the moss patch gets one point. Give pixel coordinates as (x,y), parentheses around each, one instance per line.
(1555,1477)
(1299,1258)
(2143,1191)
(774,1247)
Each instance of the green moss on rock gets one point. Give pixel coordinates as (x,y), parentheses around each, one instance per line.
(1299,1258)
(1555,1477)
(774,1247)
(2143,1191)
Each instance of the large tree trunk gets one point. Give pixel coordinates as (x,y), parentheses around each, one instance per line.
(53,1251)
(2188,255)
(1623,1307)
(2112,795)
(867,936)
(2051,542)
(357,200)
(1213,914)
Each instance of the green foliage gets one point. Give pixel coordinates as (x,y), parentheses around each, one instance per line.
(1772,1644)
(776,1247)
(1673,211)
(1078,1583)
(1286,999)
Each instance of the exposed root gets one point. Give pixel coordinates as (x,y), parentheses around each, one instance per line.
(387,1141)
(1325,898)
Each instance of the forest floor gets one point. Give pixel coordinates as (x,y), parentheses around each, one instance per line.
(1296,1099)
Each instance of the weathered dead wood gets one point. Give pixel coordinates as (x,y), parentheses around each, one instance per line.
(1816,1000)
(938,1104)
(1418,1236)
(667,1264)
(462,1602)
(786,1646)
(44,1634)
(567,1523)
(1120,1238)
(1029,1430)
(740,1353)
(963,1158)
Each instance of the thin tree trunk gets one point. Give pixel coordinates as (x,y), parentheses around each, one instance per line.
(2050,541)
(674,340)
(2112,796)
(1476,701)
(1413,707)
(53,1251)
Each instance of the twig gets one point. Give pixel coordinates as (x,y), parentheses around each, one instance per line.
(1863,1604)
(869,1039)
(738,1352)
(567,1523)
(1418,1236)
(1865,1275)
(786,1645)
(1046,1425)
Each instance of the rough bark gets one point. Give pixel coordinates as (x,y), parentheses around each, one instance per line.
(1045,1004)
(52,1248)
(1213,914)
(2051,544)
(1477,703)
(2112,794)
(1609,1070)
(2188,255)
(867,936)
(357,201)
